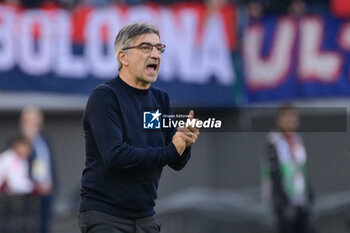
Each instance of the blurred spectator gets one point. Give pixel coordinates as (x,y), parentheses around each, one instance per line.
(102,3)
(254,10)
(318,6)
(340,8)
(215,5)
(297,8)
(277,7)
(284,173)
(31,3)
(41,161)
(11,2)
(14,167)
(324,3)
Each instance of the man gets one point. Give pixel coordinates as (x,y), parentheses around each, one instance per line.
(124,161)
(284,172)
(42,170)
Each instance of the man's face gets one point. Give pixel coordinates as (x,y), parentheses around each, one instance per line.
(31,123)
(288,121)
(143,66)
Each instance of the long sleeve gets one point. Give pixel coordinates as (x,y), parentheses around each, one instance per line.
(103,116)
(124,158)
(182,160)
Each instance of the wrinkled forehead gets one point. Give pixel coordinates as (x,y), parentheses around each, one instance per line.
(147,37)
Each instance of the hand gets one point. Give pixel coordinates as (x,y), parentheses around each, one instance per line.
(190,133)
(45,189)
(179,142)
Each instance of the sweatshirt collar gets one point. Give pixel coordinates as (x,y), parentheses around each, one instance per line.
(133,89)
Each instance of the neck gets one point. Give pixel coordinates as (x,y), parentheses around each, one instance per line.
(288,134)
(132,81)
(31,136)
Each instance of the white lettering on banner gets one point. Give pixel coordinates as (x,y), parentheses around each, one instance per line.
(102,65)
(215,54)
(192,55)
(67,64)
(192,60)
(189,68)
(174,42)
(344,36)
(32,61)
(315,64)
(7,53)
(268,72)
(179,36)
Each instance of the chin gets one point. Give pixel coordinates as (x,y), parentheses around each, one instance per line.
(151,79)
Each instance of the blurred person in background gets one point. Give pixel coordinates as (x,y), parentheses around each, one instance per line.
(11,2)
(41,161)
(14,167)
(297,8)
(124,160)
(32,3)
(284,173)
(318,6)
(215,5)
(277,7)
(255,10)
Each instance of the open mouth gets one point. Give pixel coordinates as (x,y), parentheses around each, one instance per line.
(152,67)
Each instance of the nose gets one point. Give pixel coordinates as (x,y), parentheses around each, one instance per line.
(155,53)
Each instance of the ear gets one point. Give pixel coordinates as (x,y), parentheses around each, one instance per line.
(123,57)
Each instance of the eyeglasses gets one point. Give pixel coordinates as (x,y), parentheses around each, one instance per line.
(148,47)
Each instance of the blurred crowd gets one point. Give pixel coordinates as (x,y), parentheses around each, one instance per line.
(70,4)
(266,6)
(27,169)
(255,8)
(258,8)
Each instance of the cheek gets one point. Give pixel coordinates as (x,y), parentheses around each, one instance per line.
(139,64)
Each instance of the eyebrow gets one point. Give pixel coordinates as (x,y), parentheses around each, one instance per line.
(149,43)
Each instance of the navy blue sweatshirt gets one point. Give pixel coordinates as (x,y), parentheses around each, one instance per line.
(124,161)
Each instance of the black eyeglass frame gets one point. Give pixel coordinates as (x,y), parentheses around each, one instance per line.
(160,50)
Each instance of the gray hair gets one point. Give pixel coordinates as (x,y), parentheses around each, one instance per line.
(128,33)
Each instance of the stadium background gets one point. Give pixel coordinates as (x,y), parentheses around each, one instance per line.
(219,189)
